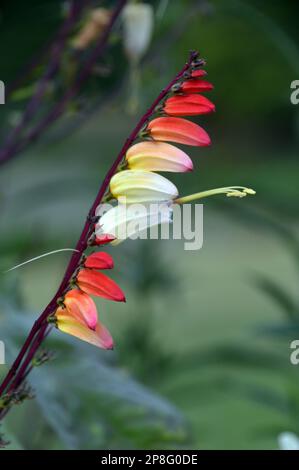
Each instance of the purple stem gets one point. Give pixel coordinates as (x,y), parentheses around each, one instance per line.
(36,335)
(35,61)
(82,243)
(60,106)
(12,141)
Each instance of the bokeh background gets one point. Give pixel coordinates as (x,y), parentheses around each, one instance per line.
(202,356)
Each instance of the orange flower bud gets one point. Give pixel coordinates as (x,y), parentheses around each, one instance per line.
(178,130)
(81,307)
(99,336)
(95,283)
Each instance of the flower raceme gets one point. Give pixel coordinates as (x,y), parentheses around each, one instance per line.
(136,181)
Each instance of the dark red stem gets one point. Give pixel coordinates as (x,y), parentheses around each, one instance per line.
(11,150)
(36,335)
(12,143)
(43,52)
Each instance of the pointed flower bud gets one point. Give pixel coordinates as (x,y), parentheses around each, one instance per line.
(158,156)
(199,73)
(96,283)
(102,239)
(99,261)
(188,105)
(142,186)
(99,336)
(196,86)
(81,307)
(178,130)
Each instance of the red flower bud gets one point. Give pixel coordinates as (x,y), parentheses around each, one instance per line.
(99,260)
(188,105)
(103,239)
(196,86)
(198,73)
(96,283)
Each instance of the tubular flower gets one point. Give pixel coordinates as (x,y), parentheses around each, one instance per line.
(81,307)
(102,239)
(77,313)
(198,73)
(196,85)
(98,336)
(178,130)
(99,261)
(95,283)
(158,156)
(125,221)
(142,186)
(188,105)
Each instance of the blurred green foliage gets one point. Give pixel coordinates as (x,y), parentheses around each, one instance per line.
(202,355)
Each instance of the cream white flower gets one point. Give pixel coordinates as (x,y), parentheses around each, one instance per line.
(142,186)
(128,221)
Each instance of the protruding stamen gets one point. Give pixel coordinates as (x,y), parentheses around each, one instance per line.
(231,191)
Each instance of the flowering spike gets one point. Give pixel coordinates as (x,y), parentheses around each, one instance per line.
(96,283)
(196,86)
(99,261)
(99,337)
(142,186)
(188,105)
(81,307)
(158,156)
(178,130)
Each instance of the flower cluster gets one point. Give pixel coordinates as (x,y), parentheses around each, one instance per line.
(137,181)
(77,313)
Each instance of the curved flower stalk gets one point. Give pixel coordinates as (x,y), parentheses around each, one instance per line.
(137,182)
(132,176)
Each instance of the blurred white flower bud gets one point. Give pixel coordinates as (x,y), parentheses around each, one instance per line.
(288,441)
(138,21)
